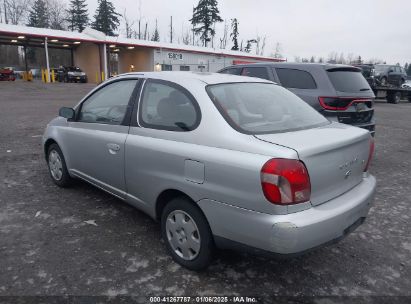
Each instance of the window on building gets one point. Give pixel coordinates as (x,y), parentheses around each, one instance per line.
(296,79)
(184,68)
(167,106)
(166,67)
(259,72)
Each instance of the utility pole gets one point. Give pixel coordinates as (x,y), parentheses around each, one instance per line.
(171,30)
(139,32)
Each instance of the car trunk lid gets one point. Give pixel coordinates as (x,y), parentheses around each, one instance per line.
(335,157)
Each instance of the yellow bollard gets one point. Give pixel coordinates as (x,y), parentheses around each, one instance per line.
(102,77)
(30,76)
(53,76)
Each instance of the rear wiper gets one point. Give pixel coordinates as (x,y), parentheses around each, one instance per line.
(365,89)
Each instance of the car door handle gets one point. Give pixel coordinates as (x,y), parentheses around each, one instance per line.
(113,148)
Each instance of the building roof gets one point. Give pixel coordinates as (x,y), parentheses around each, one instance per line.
(90,35)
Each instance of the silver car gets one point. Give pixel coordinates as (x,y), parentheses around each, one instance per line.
(221,161)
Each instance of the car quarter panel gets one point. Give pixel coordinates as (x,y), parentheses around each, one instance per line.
(156,160)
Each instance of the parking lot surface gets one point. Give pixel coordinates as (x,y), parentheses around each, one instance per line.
(82,241)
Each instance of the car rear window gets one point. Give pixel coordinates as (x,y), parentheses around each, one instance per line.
(348,80)
(261,108)
(296,79)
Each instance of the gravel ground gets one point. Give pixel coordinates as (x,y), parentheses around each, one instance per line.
(82,241)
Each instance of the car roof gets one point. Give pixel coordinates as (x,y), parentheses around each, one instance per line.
(295,65)
(205,77)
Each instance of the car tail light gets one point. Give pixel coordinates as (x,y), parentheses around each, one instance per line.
(285,181)
(371,154)
(342,103)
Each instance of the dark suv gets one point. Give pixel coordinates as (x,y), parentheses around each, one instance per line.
(385,74)
(71,74)
(339,92)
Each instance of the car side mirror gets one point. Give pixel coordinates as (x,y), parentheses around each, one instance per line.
(67,113)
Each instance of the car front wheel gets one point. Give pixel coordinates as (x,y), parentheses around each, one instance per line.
(57,167)
(187,234)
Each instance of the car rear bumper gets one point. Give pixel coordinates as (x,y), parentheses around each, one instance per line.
(294,233)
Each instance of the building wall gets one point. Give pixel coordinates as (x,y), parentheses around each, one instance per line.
(195,61)
(87,57)
(141,58)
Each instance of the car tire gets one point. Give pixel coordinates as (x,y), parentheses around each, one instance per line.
(383,81)
(57,167)
(187,234)
(394,98)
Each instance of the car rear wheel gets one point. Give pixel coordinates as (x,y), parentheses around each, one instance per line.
(394,97)
(187,234)
(57,166)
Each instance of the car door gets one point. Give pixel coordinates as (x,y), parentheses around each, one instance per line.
(95,140)
(392,75)
(158,150)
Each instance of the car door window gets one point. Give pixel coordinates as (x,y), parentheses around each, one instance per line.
(295,79)
(232,71)
(109,104)
(167,106)
(259,72)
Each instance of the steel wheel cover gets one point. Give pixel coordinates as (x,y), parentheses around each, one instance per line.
(183,235)
(55,165)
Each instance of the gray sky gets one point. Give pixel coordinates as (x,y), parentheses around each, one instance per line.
(370,28)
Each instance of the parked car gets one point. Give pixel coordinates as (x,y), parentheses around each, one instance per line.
(221,161)
(339,92)
(71,74)
(390,74)
(407,84)
(7,74)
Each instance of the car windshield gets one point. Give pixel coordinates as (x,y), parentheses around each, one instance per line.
(74,69)
(261,108)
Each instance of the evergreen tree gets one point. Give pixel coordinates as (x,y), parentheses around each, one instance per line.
(78,15)
(409,70)
(312,60)
(156,35)
(234,34)
(38,15)
(106,18)
(205,15)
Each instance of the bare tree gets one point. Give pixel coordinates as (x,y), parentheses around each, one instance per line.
(17,10)
(128,24)
(223,40)
(278,51)
(57,14)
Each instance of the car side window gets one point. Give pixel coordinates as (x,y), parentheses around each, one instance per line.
(259,72)
(296,79)
(167,106)
(109,104)
(232,71)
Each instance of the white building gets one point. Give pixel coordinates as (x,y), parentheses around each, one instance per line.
(102,55)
